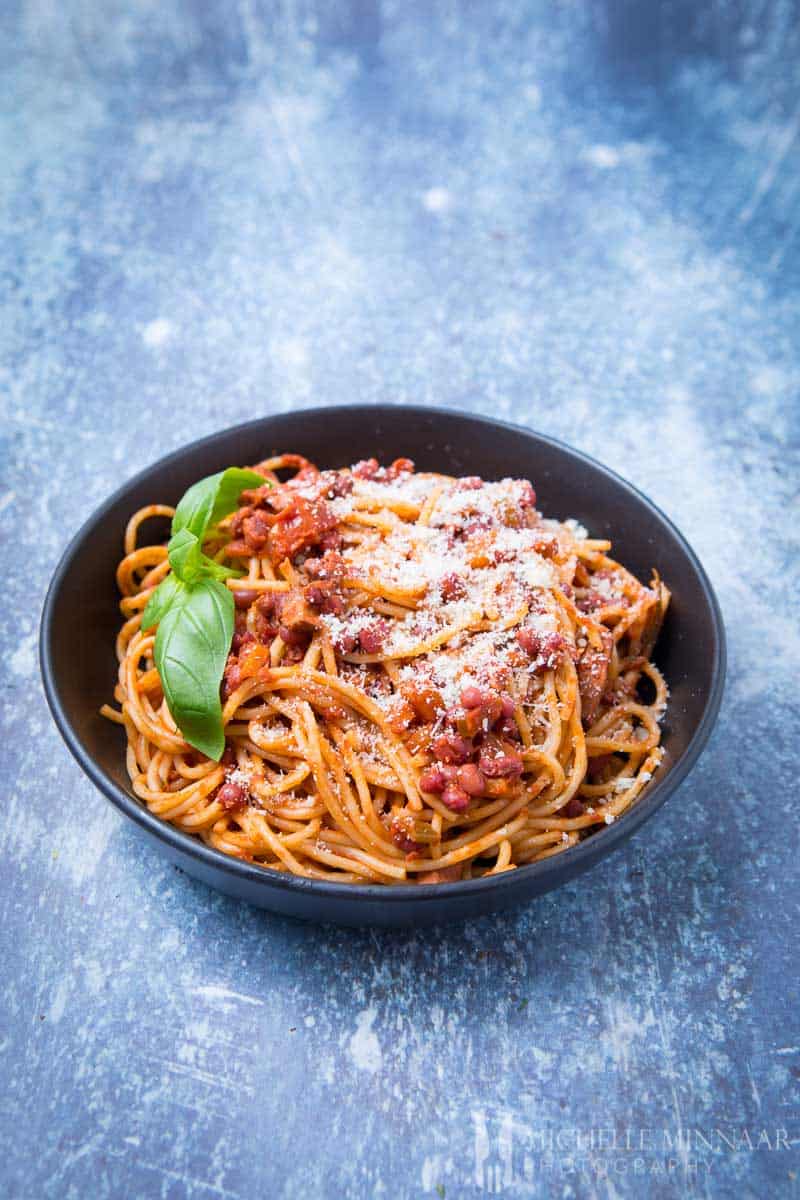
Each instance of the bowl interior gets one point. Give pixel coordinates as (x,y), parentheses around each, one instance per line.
(82,614)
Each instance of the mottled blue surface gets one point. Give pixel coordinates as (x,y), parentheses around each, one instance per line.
(583,217)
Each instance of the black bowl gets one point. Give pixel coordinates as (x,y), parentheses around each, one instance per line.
(81,619)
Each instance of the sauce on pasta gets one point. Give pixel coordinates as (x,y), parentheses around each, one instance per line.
(428,681)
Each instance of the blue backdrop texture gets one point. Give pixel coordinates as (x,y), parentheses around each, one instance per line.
(584,217)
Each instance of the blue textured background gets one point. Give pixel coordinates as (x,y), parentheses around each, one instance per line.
(580,216)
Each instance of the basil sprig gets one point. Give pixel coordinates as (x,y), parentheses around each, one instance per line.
(194,611)
(192,646)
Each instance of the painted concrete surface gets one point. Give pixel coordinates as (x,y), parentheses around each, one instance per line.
(580,217)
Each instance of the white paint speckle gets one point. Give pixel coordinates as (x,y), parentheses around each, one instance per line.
(291,352)
(59,1002)
(480,1144)
(23,660)
(769,381)
(365,1049)
(604,157)
(624,1027)
(95,975)
(157,333)
(215,991)
(437,200)
(85,846)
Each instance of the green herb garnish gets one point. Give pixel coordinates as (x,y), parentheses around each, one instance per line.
(194,611)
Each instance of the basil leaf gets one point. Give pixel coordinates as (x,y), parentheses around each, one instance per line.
(161,600)
(185,555)
(194,611)
(191,650)
(216,570)
(210,499)
(188,561)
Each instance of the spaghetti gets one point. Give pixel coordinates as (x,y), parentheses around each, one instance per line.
(428,680)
